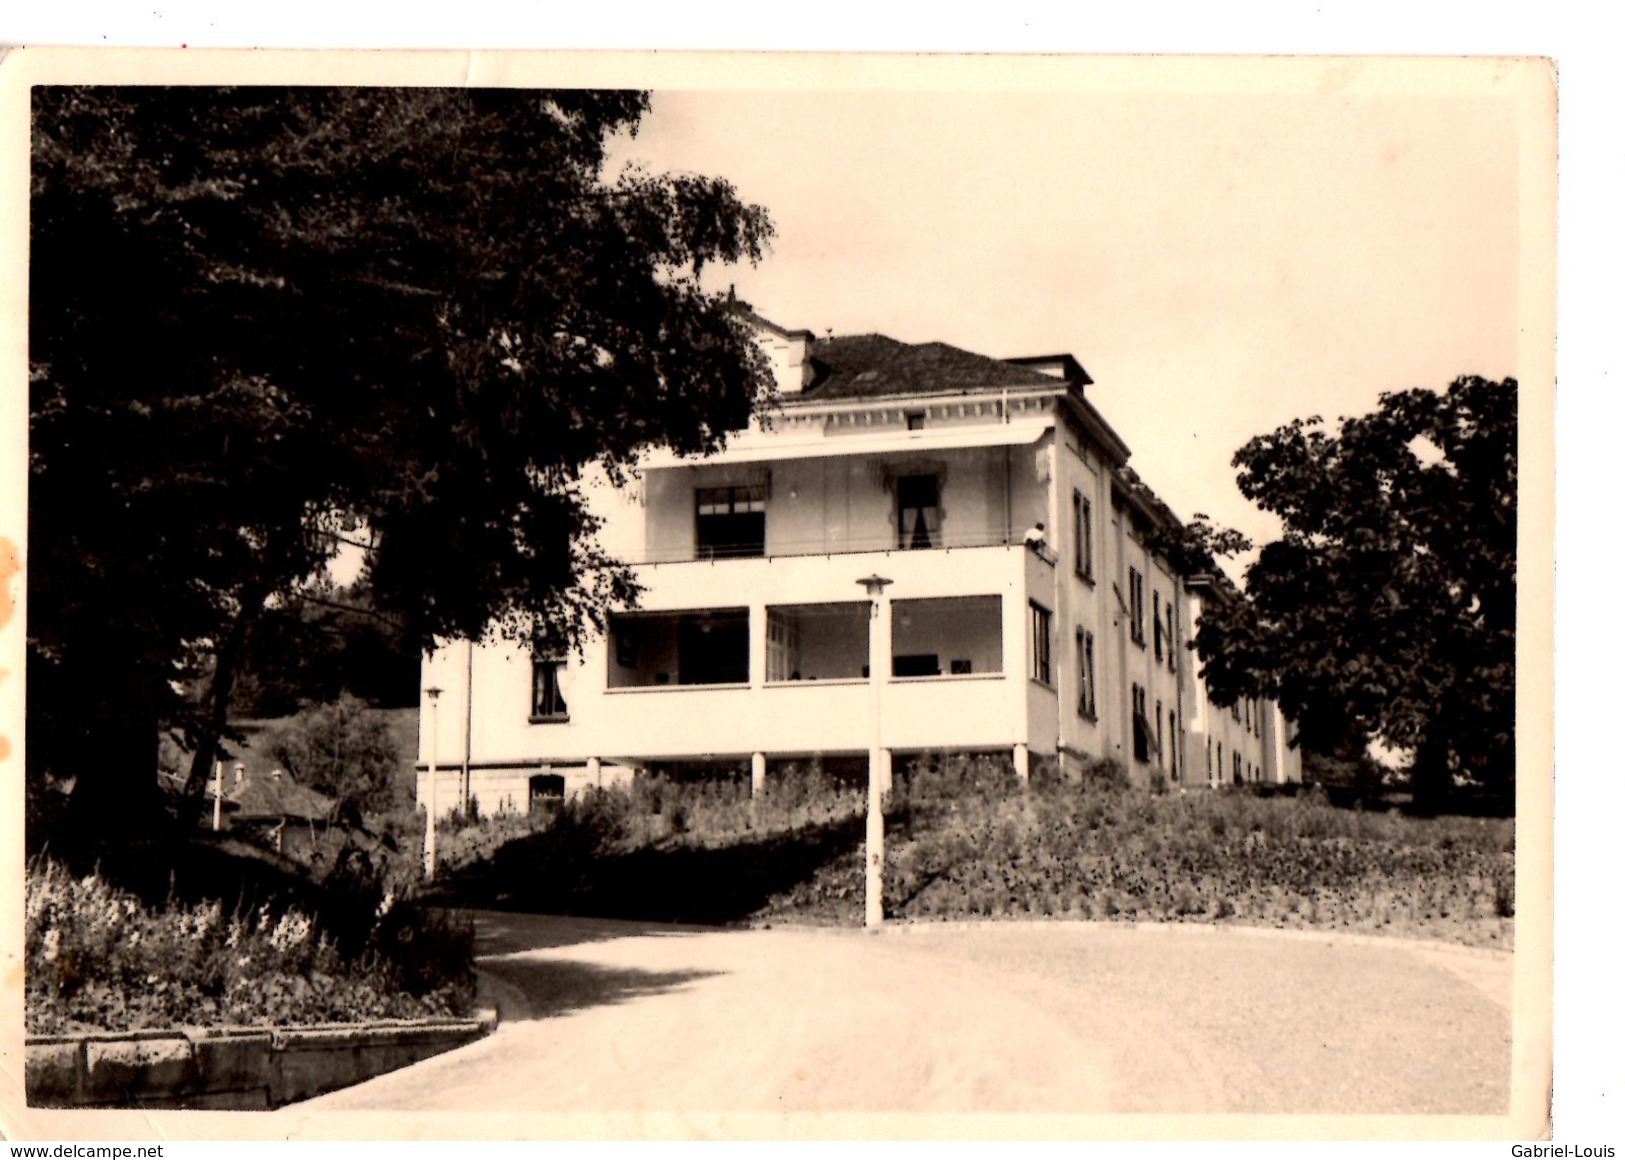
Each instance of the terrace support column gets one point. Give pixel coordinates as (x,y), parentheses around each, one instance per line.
(757,654)
(1020,758)
(758,775)
(595,772)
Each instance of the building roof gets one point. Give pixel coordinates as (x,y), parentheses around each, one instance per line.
(1062,366)
(872,366)
(262,795)
(1130,484)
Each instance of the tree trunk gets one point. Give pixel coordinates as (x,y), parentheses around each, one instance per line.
(227,659)
(1430,777)
(109,747)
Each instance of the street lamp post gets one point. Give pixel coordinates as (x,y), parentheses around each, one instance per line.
(434,754)
(874,858)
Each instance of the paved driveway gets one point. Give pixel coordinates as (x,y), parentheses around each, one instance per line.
(612,1018)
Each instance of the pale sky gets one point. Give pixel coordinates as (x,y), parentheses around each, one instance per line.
(1219,263)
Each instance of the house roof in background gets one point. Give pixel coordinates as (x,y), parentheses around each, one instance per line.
(260,795)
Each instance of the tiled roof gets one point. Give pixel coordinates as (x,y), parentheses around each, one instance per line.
(259,795)
(872,366)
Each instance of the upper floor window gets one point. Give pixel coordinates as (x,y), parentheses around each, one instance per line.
(1136,607)
(1156,621)
(919,514)
(1042,669)
(546,700)
(1086,674)
(1168,611)
(916,420)
(1142,726)
(730,521)
(1083,536)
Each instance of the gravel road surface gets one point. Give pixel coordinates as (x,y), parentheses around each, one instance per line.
(609,1017)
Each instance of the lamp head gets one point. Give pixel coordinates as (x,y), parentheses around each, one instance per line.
(874,585)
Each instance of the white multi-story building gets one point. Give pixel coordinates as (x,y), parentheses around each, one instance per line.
(922,465)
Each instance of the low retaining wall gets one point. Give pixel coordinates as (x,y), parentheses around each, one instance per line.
(238,1068)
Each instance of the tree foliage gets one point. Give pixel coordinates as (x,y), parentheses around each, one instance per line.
(343,749)
(1387,609)
(316,646)
(264,319)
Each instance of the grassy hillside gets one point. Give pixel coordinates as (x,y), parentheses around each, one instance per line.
(964,841)
(1114,854)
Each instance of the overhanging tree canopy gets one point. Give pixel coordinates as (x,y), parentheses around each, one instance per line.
(1388,607)
(262,317)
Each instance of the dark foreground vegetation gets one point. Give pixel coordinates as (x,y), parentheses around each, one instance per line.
(209,929)
(102,958)
(966,841)
(309,921)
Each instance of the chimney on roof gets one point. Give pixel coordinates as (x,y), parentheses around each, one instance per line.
(238,772)
(786,351)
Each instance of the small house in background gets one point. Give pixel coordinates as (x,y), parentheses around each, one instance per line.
(271,808)
(924,549)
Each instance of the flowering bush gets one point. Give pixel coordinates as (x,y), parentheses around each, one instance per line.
(97,958)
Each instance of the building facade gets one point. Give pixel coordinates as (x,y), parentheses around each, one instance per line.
(1024,610)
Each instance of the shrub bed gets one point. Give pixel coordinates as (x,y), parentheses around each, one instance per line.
(98,958)
(661,848)
(654,811)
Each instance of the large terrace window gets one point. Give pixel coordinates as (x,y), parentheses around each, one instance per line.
(730,521)
(702,647)
(948,636)
(817,642)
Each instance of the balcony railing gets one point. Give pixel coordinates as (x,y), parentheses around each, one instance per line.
(778,546)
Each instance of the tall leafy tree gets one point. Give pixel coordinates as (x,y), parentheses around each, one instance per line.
(264,320)
(1387,609)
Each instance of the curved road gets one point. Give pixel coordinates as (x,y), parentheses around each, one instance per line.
(602,1018)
